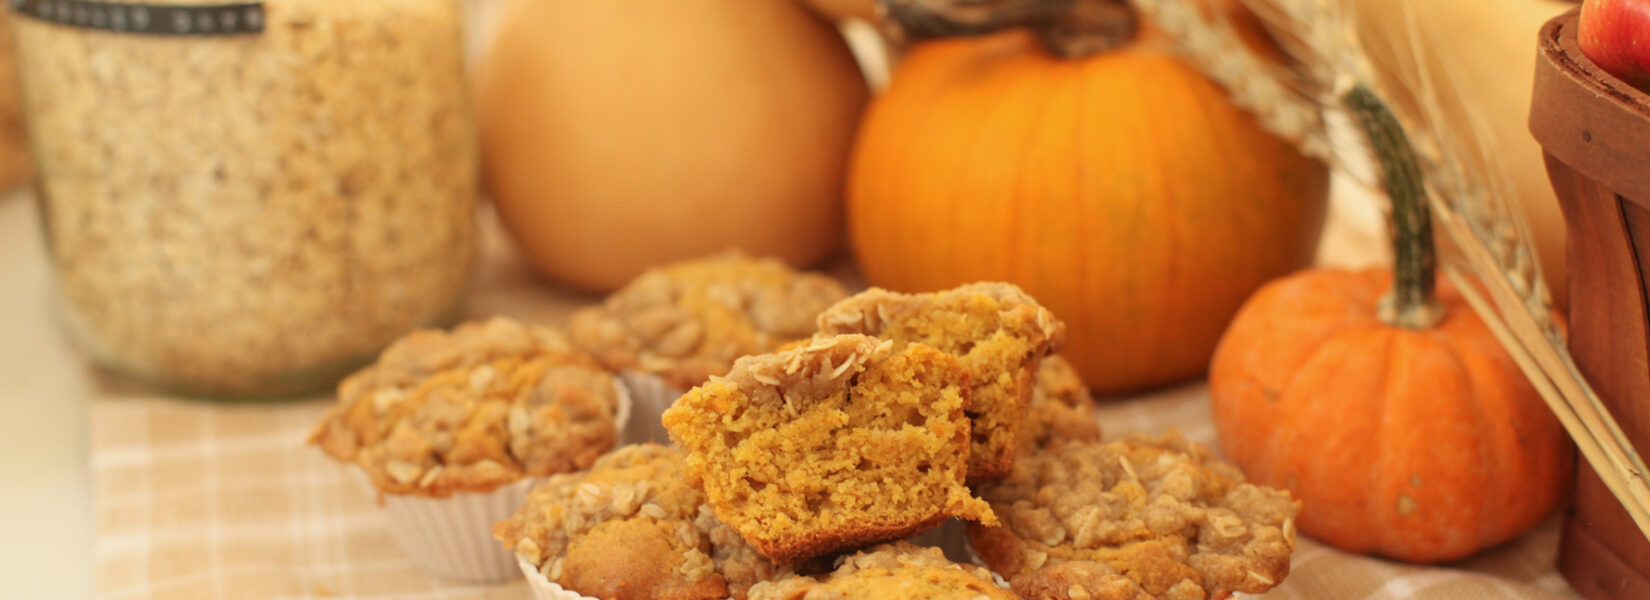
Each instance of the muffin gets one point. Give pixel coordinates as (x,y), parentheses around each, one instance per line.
(835,445)
(630,528)
(687,321)
(1061,408)
(997,332)
(1136,519)
(894,571)
(448,426)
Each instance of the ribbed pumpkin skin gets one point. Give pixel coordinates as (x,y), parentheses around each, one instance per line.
(1122,190)
(1312,392)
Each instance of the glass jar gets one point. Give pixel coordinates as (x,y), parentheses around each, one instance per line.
(250,199)
(15,165)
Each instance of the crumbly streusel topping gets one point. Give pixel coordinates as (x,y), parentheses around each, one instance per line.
(640,483)
(1137,519)
(484,405)
(875,309)
(1061,408)
(898,570)
(688,321)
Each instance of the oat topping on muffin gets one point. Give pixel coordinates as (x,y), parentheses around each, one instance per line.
(998,332)
(630,528)
(482,406)
(1138,519)
(1061,408)
(894,571)
(831,446)
(690,320)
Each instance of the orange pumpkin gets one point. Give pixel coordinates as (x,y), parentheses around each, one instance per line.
(1400,423)
(1122,189)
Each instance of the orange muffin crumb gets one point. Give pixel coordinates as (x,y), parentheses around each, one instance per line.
(998,332)
(839,444)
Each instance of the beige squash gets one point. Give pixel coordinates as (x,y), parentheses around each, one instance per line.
(1481,55)
(624,133)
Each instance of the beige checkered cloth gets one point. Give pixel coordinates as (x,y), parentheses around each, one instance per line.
(212,501)
(201,500)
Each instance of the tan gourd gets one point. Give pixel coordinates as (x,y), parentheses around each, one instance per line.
(624,133)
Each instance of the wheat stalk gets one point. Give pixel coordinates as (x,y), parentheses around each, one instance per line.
(1468,191)
(1267,90)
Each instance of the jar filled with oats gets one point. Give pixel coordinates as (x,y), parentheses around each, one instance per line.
(250,198)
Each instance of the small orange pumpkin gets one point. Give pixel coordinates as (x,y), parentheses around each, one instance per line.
(1405,430)
(1122,189)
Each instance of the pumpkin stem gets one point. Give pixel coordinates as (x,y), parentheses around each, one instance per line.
(1411,303)
(1068,28)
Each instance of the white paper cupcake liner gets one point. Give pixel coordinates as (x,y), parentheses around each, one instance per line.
(543,588)
(453,537)
(651,396)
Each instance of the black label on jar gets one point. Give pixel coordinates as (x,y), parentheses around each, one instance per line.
(150,19)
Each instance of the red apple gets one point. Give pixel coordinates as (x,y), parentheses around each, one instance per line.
(1615,34)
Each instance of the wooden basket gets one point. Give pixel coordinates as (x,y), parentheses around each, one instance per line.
(1594,130)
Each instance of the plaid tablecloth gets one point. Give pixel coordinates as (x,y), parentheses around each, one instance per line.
(205,500)
(212,501)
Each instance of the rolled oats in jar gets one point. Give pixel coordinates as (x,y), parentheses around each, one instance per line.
(250,198)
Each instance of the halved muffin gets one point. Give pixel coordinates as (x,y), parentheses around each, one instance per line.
(835,445)
(998,332)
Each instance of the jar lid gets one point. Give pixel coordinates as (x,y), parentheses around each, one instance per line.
(148,19)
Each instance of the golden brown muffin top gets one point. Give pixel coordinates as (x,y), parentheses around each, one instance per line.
(894,571)
(631,528)
(469,410)
(1137,519)
(1061,408)
(690,320)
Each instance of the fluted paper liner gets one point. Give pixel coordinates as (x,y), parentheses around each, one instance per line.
(543,588)
(651,396)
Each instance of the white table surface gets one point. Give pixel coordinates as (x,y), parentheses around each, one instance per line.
(45,480)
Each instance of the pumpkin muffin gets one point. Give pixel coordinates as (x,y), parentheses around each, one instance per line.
(482,406)
(1061,408)
(838,444)
(687,321)
(895,571)
(630,528)
(1136,519)
(998,333)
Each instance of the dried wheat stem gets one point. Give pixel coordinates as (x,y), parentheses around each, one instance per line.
(1551,358)
(1624,485)
(1253,84)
